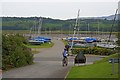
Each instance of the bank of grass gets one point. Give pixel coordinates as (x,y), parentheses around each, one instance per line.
(35,51)
(15,31)
(52,32)
(44,45)
(107,58)
(65,42)
(101,69)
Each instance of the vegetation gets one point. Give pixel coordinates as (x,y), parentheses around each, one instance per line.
(118,42)
(51,32)
(35,51)
(65,42)
(77,50)
(0,49)
(21,23)
(45,45)
(101,69)
(107,58)
(93,50)
(15,31)
(14,53)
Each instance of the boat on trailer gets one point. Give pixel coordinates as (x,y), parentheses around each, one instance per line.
(37,40)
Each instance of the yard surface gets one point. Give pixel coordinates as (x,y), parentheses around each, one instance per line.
(101,69)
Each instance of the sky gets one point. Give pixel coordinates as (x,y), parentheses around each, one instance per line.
(58,9)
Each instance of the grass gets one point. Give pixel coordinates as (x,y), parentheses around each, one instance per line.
(35,51)
(65,42)
(45,45)
(107,58)
(15,31)
(52,32)
(101,69)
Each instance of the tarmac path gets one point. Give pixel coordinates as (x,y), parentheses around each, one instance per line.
(47,64)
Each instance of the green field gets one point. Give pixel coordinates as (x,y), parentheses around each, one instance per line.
(101,69)
(65,42)
(52,32)
(45,45)
(35,51)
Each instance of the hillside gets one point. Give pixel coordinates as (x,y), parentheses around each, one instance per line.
(25,23)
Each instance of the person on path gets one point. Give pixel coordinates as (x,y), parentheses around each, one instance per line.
(65,53)
(65,59)
(67,48)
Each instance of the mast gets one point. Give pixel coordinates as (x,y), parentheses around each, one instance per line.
(30,32)
(69,29)
(112,25)
(34,27)
(40,26)
(76,24)
(98,29)
(88,30)
(77,32)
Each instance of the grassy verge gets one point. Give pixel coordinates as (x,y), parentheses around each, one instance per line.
(101,69)
(52,32)
(65,42)
(107,58)
(15,31)
(35,51)
(45,45)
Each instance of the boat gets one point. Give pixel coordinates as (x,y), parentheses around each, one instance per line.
(39,39)
(105,45)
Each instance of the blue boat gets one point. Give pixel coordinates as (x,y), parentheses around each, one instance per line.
(39,40)
(89,40)
(45,39)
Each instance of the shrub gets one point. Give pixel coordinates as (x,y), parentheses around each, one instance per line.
(15,54)
(93,50)
(77,50)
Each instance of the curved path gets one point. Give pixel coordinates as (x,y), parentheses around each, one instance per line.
(48,64)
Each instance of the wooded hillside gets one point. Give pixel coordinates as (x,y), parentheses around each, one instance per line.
(22,23)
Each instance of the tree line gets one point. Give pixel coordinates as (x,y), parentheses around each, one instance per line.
(49,24)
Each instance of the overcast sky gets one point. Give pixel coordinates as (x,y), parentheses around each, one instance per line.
(58,9)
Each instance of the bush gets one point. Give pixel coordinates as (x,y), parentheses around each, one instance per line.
(15,54)
(93,50)
(77,50)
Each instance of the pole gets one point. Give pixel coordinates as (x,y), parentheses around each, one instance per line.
(35,26)
(113,67)
(30,32)
(39,27)
(75,28)
(98,29)
(88,30)
(69,29)
(112,25)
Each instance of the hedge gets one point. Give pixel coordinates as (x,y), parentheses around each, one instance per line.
(93,50)
(14,53)
(77,50)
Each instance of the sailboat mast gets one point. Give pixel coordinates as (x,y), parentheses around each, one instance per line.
(76,24)
(112,25)
(40,26)
(88,29)
(98,29)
